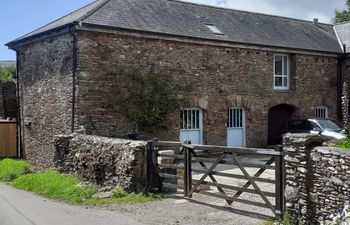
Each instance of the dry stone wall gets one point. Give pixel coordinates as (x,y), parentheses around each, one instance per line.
(318,178)
(104,161)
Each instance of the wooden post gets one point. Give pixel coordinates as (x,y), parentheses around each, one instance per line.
(279,176)
(153,179)
(187,171)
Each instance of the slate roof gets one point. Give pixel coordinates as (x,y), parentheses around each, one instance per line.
(183,19)
(343,31)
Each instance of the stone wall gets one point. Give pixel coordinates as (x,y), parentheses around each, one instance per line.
(45,73)
(209,77)
(104,161)
(318,178)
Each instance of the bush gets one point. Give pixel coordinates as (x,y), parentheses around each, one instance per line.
(151,98)
(54,186)
(11,169)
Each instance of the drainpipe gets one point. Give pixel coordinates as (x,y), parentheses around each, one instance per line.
(340,84)
(74,72)
(20,148)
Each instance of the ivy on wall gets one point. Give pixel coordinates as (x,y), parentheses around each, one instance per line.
(151,98)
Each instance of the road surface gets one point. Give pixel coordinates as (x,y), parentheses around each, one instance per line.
(23,208)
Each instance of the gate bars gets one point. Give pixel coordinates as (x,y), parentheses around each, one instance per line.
(187,154)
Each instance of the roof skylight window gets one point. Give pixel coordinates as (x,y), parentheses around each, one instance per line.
(214,29)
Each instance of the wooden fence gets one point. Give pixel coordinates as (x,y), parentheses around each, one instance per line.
(8,139)
(207,159)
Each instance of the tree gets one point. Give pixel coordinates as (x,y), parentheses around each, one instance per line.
(342,15)
(7,73)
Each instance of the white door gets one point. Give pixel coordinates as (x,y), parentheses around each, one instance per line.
(191,125)
(236,127)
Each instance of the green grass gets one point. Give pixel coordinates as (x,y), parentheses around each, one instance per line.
(129,198)
(11,169)
(344,144)
(54,186)
(267,222)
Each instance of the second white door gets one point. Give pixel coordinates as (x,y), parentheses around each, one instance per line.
(236,126)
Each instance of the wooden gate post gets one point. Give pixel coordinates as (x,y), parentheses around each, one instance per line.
(187,171)
(280,183)
(154,181)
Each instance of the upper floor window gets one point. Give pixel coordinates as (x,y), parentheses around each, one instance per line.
(321,112)
(281,72)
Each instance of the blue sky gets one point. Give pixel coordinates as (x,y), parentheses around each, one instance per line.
(19,17)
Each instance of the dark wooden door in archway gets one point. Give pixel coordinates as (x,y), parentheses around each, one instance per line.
(278,116)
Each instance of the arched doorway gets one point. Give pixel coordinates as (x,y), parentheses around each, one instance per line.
(278,116)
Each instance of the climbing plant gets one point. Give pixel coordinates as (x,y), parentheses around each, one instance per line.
(151,97)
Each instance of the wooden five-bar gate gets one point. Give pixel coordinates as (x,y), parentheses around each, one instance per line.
(8,139)
(207,159)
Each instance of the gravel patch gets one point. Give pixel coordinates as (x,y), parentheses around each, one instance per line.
(200,210)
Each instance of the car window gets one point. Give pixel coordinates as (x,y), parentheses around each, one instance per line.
(329,125)
(314,126)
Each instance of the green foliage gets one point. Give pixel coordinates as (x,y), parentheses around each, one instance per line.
(7,73)
(288,219)
(346,144)
(11,169)
(342,16)
(119,193)
(54,186)
(152,99)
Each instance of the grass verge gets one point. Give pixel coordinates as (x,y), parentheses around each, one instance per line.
(131,198)
(11,169)
(54,186)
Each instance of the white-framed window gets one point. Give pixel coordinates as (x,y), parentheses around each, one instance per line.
(235,118)
(190,119)
(281,78)
(321,112)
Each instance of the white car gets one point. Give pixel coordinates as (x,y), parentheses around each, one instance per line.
(327,128)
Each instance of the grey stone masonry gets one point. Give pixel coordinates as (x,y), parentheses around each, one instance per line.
(104,161)
(317,178)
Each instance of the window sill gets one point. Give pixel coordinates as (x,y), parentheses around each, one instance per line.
(282,91)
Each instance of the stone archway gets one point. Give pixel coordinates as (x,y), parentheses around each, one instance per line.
(278,116)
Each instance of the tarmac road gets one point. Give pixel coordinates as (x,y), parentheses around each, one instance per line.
(23,208)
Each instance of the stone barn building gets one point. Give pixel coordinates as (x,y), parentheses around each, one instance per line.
(242,74)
